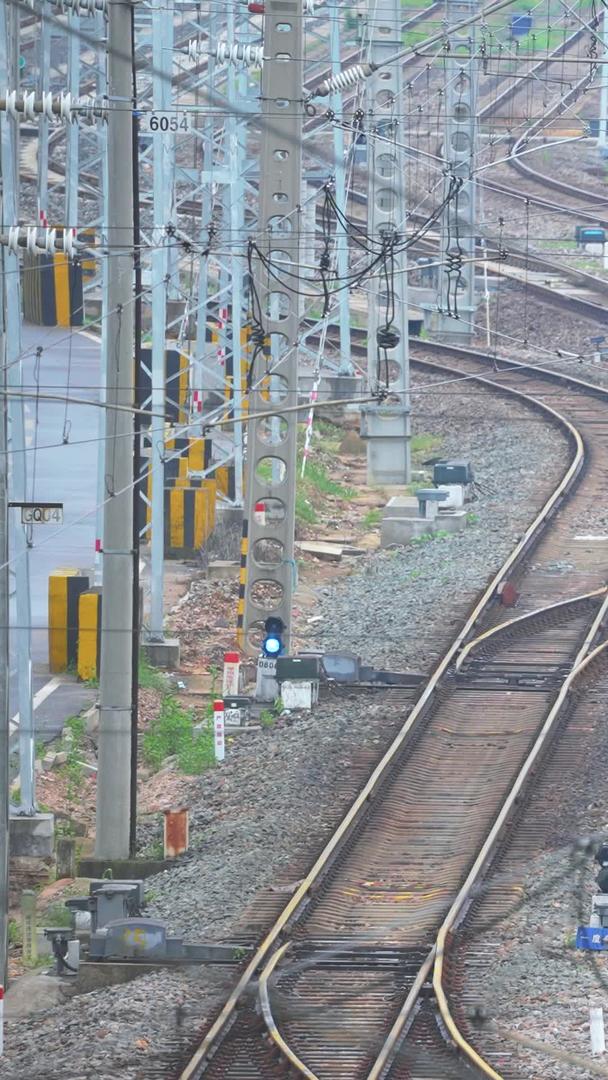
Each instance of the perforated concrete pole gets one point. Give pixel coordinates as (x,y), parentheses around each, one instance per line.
(456,298)
(387,427)
(271,443)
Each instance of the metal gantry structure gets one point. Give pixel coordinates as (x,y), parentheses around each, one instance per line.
(199,187)
(226,206)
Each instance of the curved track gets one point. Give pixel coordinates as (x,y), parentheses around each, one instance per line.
(345,994)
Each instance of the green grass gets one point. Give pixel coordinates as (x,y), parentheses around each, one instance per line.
(74,750)
(305,511)
(425,444)
(428,538)
(372,518)
(15,936)
(317,481)
(150,678)
(57,915)
(317,477)
(173,733)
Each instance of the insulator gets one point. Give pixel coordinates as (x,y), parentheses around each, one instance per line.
(13,239)
(65,106)
(68,242)
(28,106)
(344,79)
(250,56)
(51,236)
(31,240)
(195,48)
(11,100)
(47,105)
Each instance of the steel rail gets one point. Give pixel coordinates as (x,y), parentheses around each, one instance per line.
(269,1020)
(510,624)
(516,87)
(583,659)
(305,890)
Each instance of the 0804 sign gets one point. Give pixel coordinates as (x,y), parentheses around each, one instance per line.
(166,122)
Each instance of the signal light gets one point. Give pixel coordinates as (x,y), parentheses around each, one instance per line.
(272,645)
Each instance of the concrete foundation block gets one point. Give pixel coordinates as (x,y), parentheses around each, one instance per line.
(331,387)
(453,521)
(122,869)
(32,837)
(401,506)
(446,328)
(228,515)
(163,654)
(223,570)
(395,530)
(92,721)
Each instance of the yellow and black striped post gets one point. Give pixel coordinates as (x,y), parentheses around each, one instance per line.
(240,608)
(39,289)
(65,588)
(52,289)
(89,634)
(189,518)
(69,302)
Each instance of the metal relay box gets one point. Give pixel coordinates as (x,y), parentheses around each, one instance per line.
(452,472)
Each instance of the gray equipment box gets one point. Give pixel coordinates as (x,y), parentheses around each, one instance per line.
(455,471)
(293,668)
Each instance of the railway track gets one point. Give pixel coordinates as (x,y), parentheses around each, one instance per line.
(340,986)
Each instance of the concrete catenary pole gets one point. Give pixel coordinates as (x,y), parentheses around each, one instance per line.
(454,320)
(113,779)
(163,145)
(21,634)
(4,650)
(387,427)
(335,103)
(602,135)
(271,446)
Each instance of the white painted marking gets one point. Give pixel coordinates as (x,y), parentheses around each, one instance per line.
(92,337)
(593,536)
(44,692)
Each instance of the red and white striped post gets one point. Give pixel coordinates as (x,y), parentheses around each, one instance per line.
(230,680)
(1,1020)
(218,729)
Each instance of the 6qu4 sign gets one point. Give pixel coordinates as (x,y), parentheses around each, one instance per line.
(40,513)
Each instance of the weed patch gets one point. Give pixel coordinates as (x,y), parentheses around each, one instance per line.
(373,517)
(173,734)
(150,678)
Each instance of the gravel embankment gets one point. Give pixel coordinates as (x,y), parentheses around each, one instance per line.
(536,984)
(262,817)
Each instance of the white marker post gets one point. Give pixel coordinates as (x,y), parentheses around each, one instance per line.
(230,682)
(596,1024)
(218,730)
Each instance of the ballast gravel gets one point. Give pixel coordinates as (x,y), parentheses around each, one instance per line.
(262,817)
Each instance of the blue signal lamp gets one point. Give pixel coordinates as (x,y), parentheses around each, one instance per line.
(272,645)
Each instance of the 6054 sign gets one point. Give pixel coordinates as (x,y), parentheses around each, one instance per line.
(151,122)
